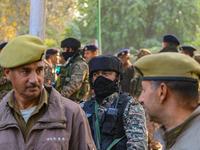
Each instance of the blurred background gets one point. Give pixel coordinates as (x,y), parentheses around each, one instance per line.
(131,24)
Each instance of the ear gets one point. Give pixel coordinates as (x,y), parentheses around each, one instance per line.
(162,92)
(95,53)
(128,57)
(7,72)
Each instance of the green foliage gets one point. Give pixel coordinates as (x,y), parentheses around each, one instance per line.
(139,23)
(132,24)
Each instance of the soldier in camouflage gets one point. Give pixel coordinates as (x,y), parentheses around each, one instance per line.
(136,89)
(50,63)
(72,80)
(5,84)
(136,86)
(116,120)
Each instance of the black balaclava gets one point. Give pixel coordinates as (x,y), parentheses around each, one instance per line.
(68,54)
(102,86)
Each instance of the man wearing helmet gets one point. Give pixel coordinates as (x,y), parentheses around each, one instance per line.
(116,120)
(72,80)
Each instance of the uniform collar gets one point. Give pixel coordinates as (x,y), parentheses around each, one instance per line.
(168,137)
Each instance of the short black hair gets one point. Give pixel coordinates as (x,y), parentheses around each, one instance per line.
(186,90)
(51,51)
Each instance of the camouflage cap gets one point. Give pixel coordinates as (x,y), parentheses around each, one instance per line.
(22,50)
(197,58)
(143,52)
(168,66)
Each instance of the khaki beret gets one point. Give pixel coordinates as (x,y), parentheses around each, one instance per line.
(22,50)
(168,66)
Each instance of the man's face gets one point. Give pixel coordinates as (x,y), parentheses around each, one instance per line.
(124,58)
(55,58)
(107,74)
(149,99)
(27,80)
(89,54)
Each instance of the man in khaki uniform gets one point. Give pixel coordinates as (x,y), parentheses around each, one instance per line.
(34,116)
(136,86)
(170,96)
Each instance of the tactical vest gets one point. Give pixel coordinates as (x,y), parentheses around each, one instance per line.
(111,126)
(64,78)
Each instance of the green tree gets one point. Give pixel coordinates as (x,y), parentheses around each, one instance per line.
(139,23)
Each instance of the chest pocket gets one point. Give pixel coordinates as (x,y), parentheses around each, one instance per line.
(110,124)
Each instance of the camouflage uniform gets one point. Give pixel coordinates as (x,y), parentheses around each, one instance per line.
(50,75)
(153,144)
(133,120)
(5,84)
(136,86)
(72,81)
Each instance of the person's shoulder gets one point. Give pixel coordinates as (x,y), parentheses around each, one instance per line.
(128,97)
(132,103)
(81,64)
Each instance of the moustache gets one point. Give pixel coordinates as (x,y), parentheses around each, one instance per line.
(33,85)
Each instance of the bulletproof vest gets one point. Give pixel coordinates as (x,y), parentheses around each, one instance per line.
(111,126)
(64,78)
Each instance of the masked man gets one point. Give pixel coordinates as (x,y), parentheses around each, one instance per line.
(72,80)
(116,120)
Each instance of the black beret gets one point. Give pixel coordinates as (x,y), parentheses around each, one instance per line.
(169,38)
(188,47)
(3,44)
(105,62)
(71,42)
(123,52)
(52,51)
(90,47)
